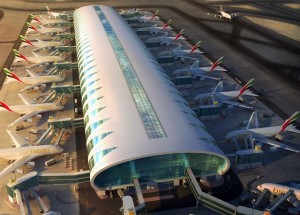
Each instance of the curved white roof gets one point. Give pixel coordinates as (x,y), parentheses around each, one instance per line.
(131,109)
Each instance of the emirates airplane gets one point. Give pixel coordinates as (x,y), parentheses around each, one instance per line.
(24,152)
(197,71)
(40,43)
(29,109)
(38,59)
(165,40)
(34,81)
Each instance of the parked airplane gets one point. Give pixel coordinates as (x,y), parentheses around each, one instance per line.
(278,189)
(24,152)
(38,59)
(261,135)
(35,18)
(223,14)
(34,81)
(130,12)
(145,18)
(42,30)
(165,40)
(197,71)
(29,109)
(177,53)
(40,43)
(155,30)
(225,97)
(54,14)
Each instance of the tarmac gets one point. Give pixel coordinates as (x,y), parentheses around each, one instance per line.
(250,50)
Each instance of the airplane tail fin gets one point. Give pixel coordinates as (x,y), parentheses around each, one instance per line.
(195,65)
(35,18)
(247,86)
(221,8)
(31,27)
(2,104)
(11,75)
(48,10)
(25,40)
(289,121)
(217,63)
(195,47)
(253,121)
(219,88)
(154,15)
(18,54)
(179,34)
(167,24)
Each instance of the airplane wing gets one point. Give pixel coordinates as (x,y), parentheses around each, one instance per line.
(15,165)
(277,144)
(36,54)
(206,76)
(234,103)
(32,74)
(26,100)
(31,86)
(18,141)
(26,116)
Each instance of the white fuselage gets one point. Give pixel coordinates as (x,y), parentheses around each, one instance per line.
(43,44)
(17,153)
(46,31)
(256,132)
(38,79)
(197,71)
(42,59)
(278,189)
(25,109)
(225,15)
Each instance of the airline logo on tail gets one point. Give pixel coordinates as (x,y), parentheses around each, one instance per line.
(289,121)
(31,27)
(34,18)
(18,54)
(217,63)
(48,10)
(11,75)
(247,86)
(154,15)
(5,106)
(167,24)
(179,34)
(195,47)
(25,40)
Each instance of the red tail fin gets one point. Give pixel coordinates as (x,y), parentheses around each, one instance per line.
(5,106)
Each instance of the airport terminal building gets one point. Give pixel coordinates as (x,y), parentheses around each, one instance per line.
(137,124)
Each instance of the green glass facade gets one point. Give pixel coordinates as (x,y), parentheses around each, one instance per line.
(160,167)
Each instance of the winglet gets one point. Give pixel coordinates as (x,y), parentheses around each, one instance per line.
(154,15)
(5,106)
(289,121)
(219,88)
(31,27)
(195,46)
(179,34)
(195,64)
(247,86)
(217,63)
(25,40)
(35,18)
(18,54)
(11,75)
(167,24)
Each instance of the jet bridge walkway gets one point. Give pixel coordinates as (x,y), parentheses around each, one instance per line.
(34,179)
(214,203)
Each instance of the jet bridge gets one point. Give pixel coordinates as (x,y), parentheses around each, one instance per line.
(280,199)
(66,123)
(214,203)
(66,65)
